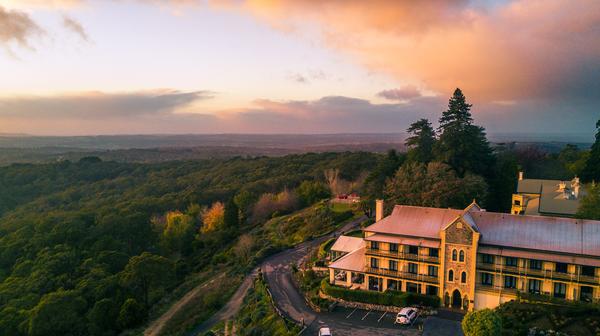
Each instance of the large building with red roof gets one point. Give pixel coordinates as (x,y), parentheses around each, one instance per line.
(474,259)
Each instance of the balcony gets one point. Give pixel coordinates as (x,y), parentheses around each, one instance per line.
(543,274)
(402,255)
(403,275)
(495,289)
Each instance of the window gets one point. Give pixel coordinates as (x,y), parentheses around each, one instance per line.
(463,277)
(375,283)
(561,267)
(432,271)
(461,256)
(374,245)
(393,284)
(393,247)
(535,264)
(487,279)
(454,253)
(535,286)
(374,263)
(517,202)
(393,265)
(487,258)
(358,278)
(413,268)
(431,290)
(510,261)
(413,249)
(560,290)
(450,275)
(587,293)
(510,281)
(433,252)
(588,271)
(413,287)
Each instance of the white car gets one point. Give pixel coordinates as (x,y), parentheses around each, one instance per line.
(406,316)
(324,332)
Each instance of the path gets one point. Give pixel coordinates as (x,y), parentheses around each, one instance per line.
(282,290)
(156,327)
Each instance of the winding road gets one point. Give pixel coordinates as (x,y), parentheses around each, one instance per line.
(278,274)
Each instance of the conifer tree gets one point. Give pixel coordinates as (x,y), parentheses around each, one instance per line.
(461,144)
(421,142)
(591,170)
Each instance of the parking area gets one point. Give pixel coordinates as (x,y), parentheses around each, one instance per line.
(364,322)
(348,321)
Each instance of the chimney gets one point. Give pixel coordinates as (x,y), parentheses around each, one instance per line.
(520,176)
(378,210)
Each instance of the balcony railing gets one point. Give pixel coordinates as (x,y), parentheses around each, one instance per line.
(538,273)
(403,275)
(402,255)
(495,289)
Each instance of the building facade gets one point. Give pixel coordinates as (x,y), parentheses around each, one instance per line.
(474,259)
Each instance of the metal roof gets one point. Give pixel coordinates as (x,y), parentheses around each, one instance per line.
(353,261)
(404,241)
(552,201)
(415,221)
(552,234)
(347,244)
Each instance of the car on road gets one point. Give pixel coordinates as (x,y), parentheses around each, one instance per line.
(406,315)
(324,331)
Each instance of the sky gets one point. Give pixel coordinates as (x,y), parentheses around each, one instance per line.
(81,67)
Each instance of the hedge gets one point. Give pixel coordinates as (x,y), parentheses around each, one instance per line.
(388,298)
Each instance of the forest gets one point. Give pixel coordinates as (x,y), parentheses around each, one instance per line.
(95,247)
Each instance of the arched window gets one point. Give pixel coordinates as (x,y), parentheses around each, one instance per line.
(461,256)
(453,255)
(450,275)
(463,277)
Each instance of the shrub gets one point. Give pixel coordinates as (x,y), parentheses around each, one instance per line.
(485,322)
(388,298)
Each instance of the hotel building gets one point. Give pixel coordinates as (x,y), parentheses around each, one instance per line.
(471,258)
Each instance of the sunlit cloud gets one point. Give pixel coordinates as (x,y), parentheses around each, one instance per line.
(405,93)
(18,28)
(74,26)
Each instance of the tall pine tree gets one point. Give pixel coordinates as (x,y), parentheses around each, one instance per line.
(421,142)
(591,171)
(461,144)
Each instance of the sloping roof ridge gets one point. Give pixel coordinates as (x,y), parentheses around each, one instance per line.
(348,255)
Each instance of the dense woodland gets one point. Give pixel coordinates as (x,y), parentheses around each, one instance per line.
(92,247)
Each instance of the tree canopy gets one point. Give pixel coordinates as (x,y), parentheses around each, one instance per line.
(591,170)
(462,144)
(485,322)
(421,141)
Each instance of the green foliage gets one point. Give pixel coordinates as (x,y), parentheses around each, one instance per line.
(179,232)
(131,314)
(544,313)
(435,185)
(103,318)
(485,322)
(461,144)
(388,298)
(258,317)
(589,206)
(58,314)
(502,183)
(312,191)
(231,216)
(385,168)
(591,170)
(148,273)
(421,142)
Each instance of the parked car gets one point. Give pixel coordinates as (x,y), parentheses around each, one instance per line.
(324,331)
(406,315)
